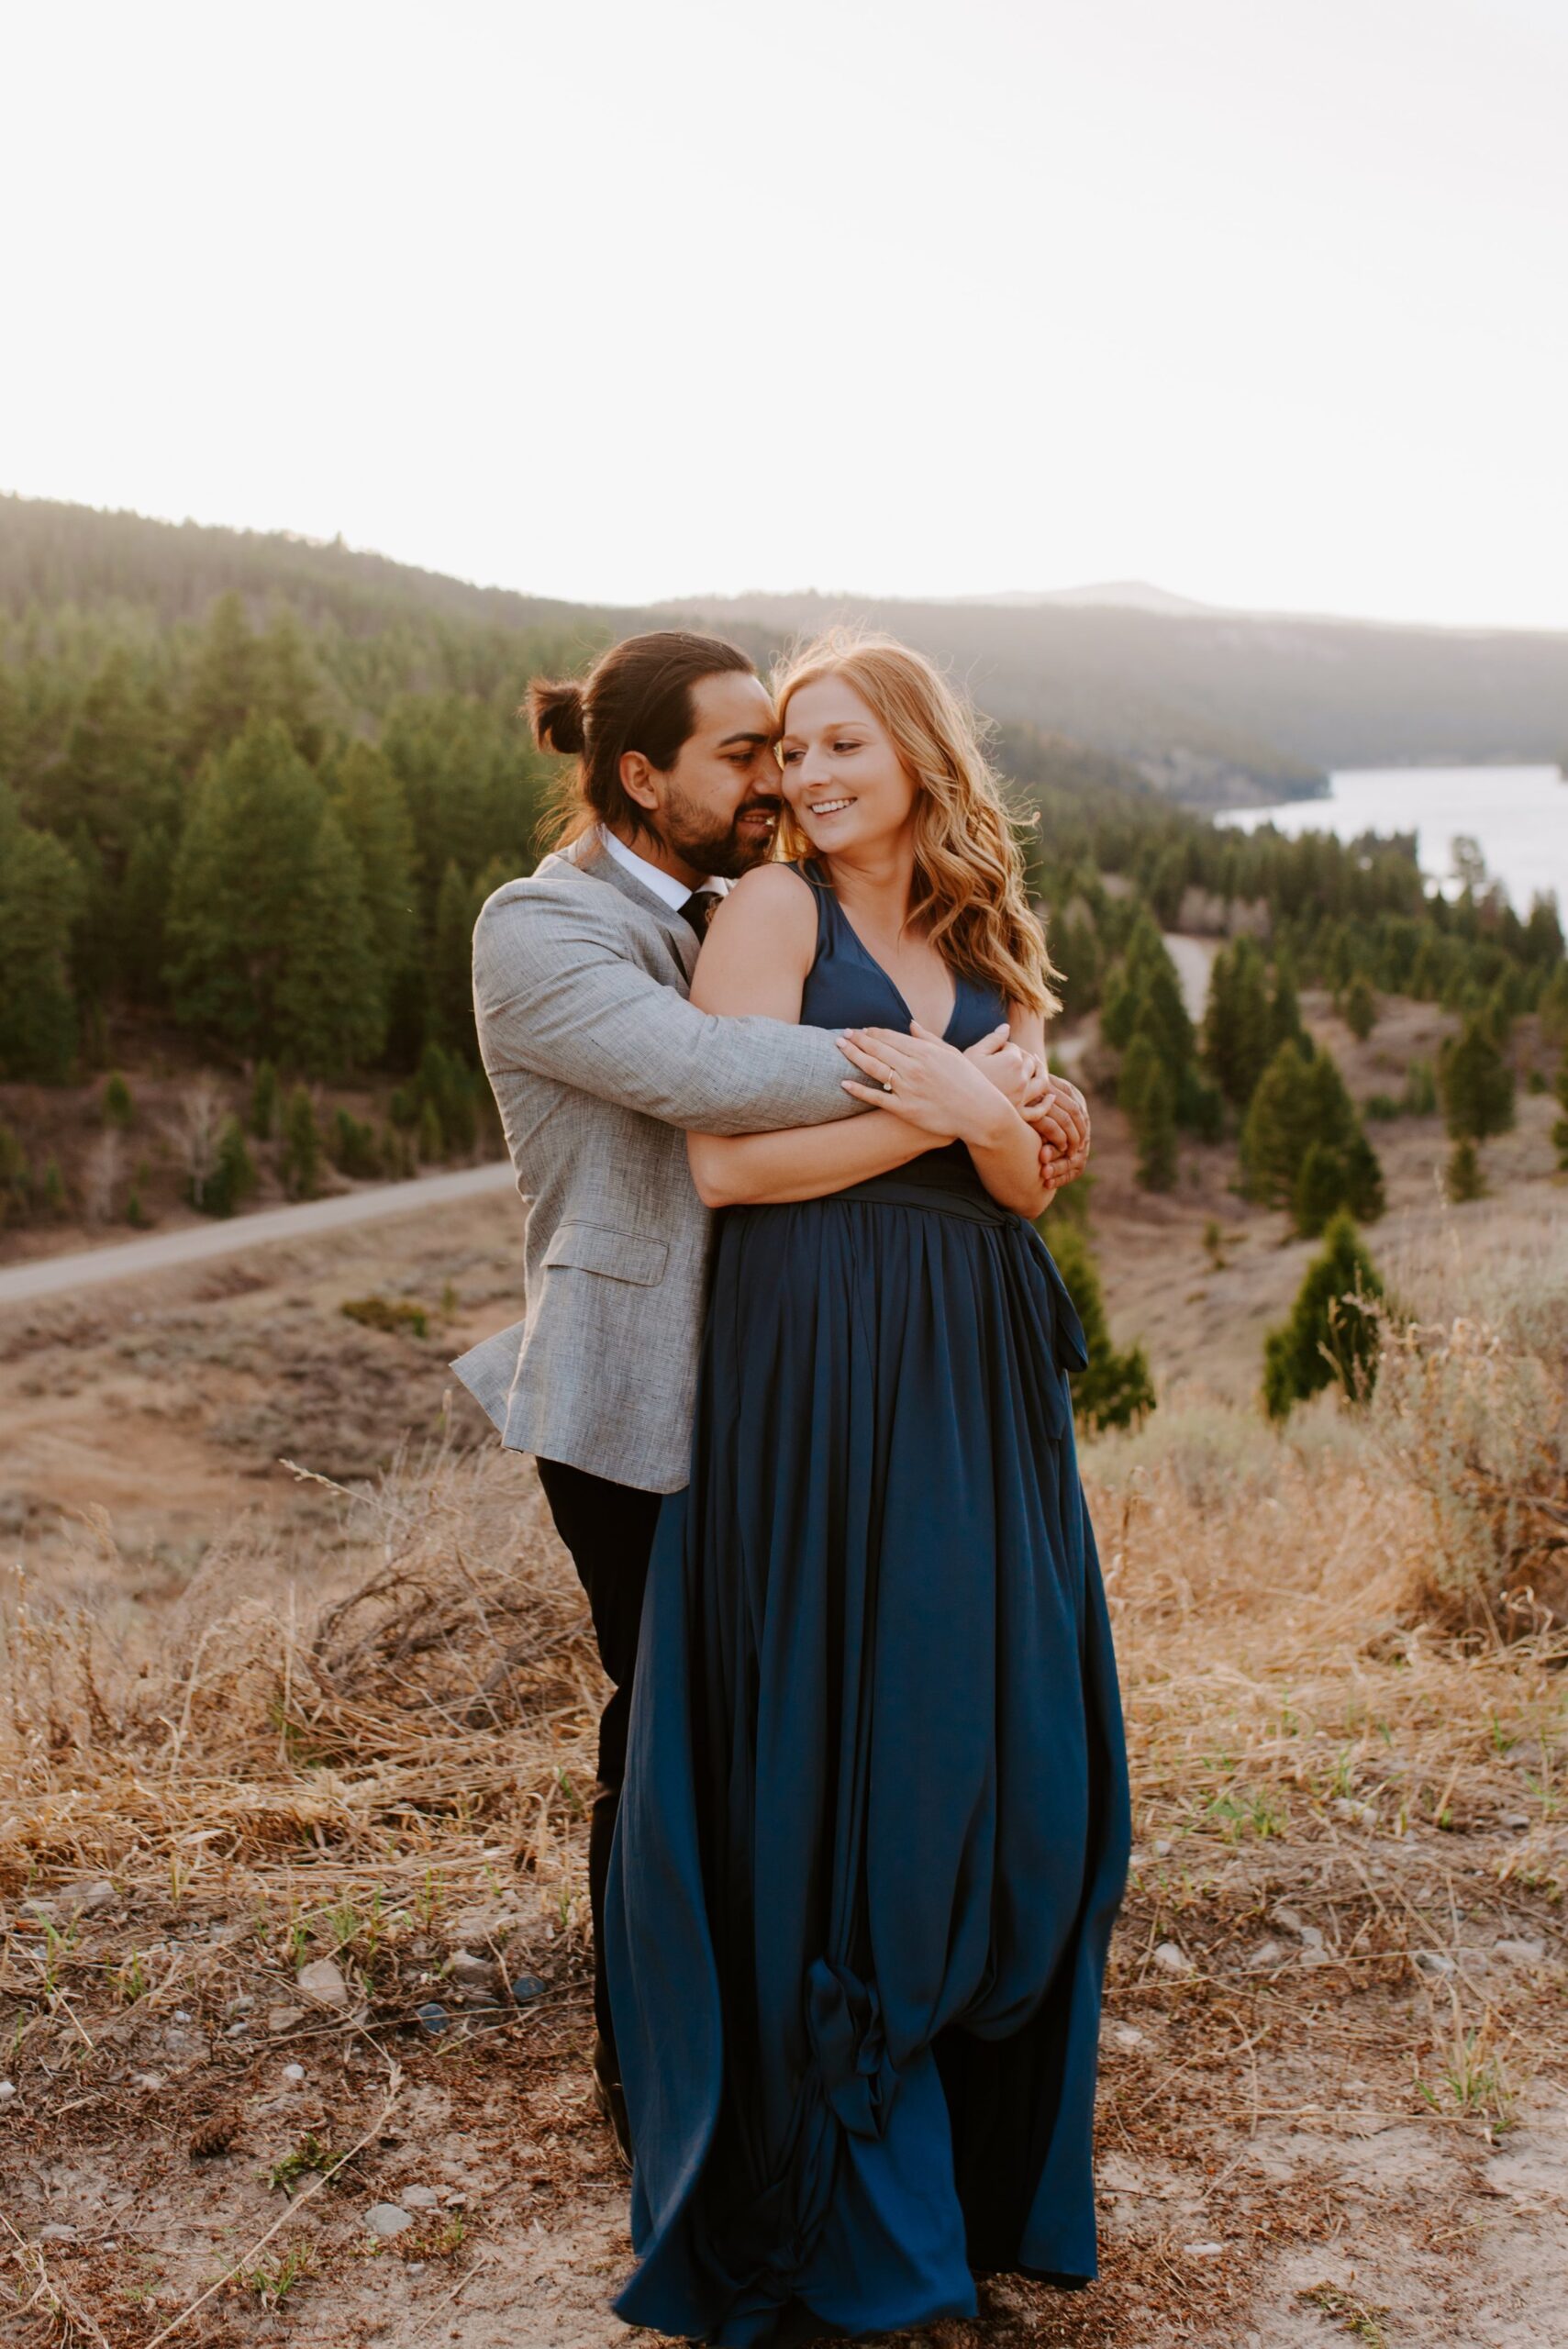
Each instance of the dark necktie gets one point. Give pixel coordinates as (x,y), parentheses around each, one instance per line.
(698,910)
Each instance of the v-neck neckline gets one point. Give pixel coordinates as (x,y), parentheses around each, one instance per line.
(882,969)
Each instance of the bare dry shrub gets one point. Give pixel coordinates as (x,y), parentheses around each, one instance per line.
(444,1692)
(195,1127)
(1475,1421)
(1282,1691)
(101,1170)
(1471,1414)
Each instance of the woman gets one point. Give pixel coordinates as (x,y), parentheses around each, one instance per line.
(877,1825)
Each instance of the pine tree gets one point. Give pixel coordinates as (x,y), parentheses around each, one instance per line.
(139,914)
(1463,1180)
(264,1101)
(1360,1009)
(353,1148)
(1560,1129)
(1145,993)
(224,687)
(119,1107)
(369,803)
(1117,1390)
(1236,1027)
(330,1007)
(1299,1103)
(118,777)
(233,1177)
(449,1000)
(1145,1091)
(1553,1007)
(42,896)
(1476,1084)
(299,1160)
(1331,1337)
(1284,1007)
(244,867)
(15,1177)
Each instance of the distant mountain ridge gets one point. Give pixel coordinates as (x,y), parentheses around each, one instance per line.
(1124,595)
(1212,707)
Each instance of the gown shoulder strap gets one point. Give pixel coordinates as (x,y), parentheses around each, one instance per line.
(816,880)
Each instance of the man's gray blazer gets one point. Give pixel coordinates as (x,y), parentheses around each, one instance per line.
(600,1066)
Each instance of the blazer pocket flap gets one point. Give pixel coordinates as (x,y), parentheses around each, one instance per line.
(622,1255)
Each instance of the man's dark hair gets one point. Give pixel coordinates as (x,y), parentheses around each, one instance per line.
(638,697)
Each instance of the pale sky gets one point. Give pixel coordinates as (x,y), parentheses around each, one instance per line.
(1263,300)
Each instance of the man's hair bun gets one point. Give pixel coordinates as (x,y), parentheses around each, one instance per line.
(555,713)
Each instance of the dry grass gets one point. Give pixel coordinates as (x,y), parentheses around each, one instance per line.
(1348,1791)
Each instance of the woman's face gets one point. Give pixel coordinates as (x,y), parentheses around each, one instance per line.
(844,781)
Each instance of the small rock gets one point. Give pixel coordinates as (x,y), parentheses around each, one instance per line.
(1172,1959)
(386,2219)
(83,1899)
(1521,1953)
(473,1925)
(237,2030)
(1291,1919)
(1358,1814)
(1127,2034)
(415,2267)
(283,2018)
(419,2198)
(1313,1936)
(1162,1845)
(294,2074)
(181,2015)
(42,1912)
(322,1980)
(471,1973)
(1266,1954)
(148,2082)
(240,2006)
(57,2232)
(432,2017)
(526,1988)
(7,2090)
(1204,2250)
(1518,1820)
(1436,1962)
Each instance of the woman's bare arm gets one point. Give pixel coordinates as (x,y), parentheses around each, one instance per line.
(755,957)
(932,1081)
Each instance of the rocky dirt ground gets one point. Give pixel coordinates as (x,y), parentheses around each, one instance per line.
(1334,2099)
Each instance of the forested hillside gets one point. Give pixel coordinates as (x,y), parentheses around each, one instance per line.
(255,790)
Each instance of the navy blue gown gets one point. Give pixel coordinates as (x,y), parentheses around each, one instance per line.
(875,1826)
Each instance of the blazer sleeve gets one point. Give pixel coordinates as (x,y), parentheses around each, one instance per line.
(556,992)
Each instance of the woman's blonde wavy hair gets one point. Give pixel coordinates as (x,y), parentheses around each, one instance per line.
(968,896)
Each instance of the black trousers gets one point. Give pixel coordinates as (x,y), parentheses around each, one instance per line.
(608,1529)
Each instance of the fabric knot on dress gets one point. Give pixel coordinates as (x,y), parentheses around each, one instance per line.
(843,2017)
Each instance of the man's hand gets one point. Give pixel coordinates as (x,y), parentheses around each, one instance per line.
(1060,1118)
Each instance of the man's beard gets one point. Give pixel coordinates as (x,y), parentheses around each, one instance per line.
(725,852)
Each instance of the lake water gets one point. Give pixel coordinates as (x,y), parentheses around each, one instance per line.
(1519,816)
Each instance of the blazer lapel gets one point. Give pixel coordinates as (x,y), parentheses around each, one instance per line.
(684,944)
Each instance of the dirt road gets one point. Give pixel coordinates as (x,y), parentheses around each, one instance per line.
(89,1267)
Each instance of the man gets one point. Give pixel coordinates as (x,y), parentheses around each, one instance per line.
(600,1066)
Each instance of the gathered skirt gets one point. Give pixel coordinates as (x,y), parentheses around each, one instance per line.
(875,1826)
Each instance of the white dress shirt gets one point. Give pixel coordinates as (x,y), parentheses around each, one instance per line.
(654,876)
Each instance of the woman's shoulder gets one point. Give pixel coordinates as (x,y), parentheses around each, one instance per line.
(772,891)
(777,905)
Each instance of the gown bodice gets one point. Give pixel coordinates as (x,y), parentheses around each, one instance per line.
(848,987)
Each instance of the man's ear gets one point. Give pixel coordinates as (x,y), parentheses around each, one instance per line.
(637,779)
